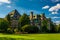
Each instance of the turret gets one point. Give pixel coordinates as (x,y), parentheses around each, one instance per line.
(31,16)
(13,17)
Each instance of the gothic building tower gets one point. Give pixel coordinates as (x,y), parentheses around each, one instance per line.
(31,18)
(35,20)
(14,17)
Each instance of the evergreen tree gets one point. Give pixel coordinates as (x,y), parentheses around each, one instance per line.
(23,20)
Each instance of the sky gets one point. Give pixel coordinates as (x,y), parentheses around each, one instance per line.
(51,8)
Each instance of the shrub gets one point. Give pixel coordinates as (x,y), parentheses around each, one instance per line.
(3,25)
(10,30)
(30,29)
(15,30)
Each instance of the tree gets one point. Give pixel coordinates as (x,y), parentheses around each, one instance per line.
(23,20)
(44,26)
(59,28)
(30,29)
(59,25)
(10,30)
(8,18)
(53,27)
(3,25)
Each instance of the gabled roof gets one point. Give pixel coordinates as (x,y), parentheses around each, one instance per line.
(14,12)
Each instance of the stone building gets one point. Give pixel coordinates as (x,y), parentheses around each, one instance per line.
(37,20)
(34,19)
(14,17)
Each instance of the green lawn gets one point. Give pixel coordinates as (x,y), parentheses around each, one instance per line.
(30,37)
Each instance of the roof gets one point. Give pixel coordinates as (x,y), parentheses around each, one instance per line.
(13,12)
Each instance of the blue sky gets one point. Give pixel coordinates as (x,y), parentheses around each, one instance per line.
(51,8)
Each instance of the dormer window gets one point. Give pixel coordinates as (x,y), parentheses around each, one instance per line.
(34,16)
(11,15)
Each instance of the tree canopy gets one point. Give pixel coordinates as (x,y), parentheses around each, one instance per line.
(30,29)
(3,24)
(23,20)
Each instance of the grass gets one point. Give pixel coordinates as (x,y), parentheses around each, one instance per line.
(30,37)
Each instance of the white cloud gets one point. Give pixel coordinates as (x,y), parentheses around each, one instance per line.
(55,9)
(54,13)
(9,6)
(55,17)
(5,1)
(0,3)
(45,7)
(47,17)
(2,15)
(57,22)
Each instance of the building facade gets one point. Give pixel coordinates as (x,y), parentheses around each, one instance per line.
(14,17)
(34,19)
